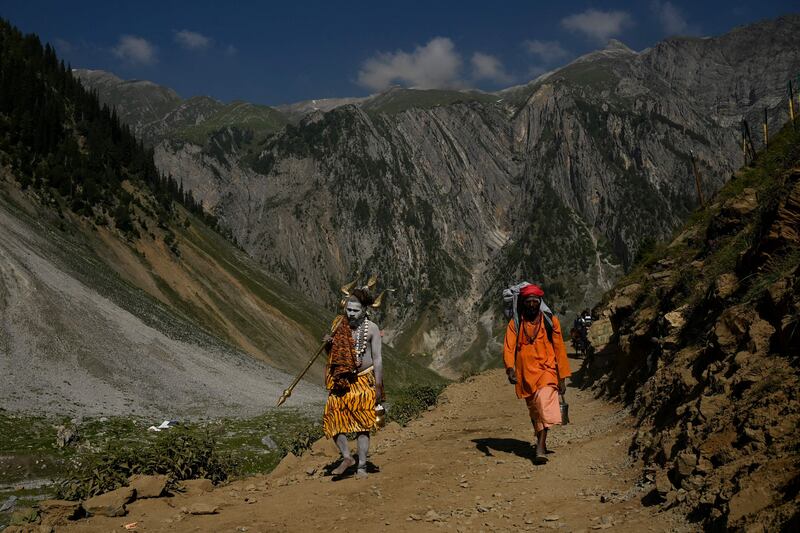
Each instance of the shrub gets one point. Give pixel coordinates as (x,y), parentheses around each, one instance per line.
(300,438)
(179,453)
(409,402)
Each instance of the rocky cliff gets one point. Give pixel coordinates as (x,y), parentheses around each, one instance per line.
(451,195)
(702,339)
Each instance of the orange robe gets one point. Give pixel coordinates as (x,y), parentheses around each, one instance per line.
(536,361)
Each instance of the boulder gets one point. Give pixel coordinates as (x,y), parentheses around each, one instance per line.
(685,464)
(9,505)
(270,443)
(663,484)
(732,326)
(621,304)
(66,436)
(748,501)
(287,465)
(710,405)
(631,290)
(760,333)
(25,517)
(725,285)
(111,503)
(200,508)
(742,205)
(325,448)
(778,291)
(57,512)
(148,486)
(197,486)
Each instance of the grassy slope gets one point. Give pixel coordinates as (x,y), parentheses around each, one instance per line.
(259,119)
(399,100)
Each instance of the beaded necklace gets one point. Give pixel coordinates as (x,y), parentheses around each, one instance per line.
(361,341)
(532,338)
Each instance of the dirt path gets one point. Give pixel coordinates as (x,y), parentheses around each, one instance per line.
(465,466)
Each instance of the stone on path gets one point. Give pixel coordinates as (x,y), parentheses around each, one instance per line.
(202,508)
(57,512)
(197,486)
(111,503)
(148,486)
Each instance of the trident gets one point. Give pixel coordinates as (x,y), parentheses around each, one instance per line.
(346,290)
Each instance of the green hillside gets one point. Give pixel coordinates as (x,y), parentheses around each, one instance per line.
(258,120)
(398,100)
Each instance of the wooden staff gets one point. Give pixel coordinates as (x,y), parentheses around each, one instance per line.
(288,391)
(791,103)
(766,130)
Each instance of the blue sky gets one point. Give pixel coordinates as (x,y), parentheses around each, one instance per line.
(274,53)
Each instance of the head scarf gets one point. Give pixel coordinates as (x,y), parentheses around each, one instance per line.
(531,290)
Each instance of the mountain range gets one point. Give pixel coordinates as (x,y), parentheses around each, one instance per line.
(117,293)
(450,195)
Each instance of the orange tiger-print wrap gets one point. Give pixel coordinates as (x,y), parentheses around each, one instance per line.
(353,411)
(341,360)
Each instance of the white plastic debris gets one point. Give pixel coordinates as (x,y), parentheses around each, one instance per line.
(166,424)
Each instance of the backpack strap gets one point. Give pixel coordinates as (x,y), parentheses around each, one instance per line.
(547,313)
(548,327)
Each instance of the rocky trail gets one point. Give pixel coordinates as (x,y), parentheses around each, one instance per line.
(465,465)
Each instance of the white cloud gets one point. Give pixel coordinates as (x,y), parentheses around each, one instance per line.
(191,40)
(435,65)
(488,67)
(63,46)
(598,25)
(135,49)
(548,52)
(672,20)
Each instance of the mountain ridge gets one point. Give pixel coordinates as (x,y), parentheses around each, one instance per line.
(450,189)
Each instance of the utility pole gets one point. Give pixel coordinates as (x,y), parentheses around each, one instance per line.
(747,143)
(697,180)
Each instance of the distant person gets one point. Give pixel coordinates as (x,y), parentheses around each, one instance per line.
(579,334)
(354,379)
(585,319)
(536,363)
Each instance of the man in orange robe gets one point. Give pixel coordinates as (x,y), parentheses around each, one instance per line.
(536,364)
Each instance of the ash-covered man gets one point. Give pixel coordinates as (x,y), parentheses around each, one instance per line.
(354,379)
(536,363)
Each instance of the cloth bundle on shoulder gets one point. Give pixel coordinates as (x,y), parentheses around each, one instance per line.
(342,359)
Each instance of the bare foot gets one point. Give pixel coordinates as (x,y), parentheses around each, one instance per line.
(361,473)
(346,463)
